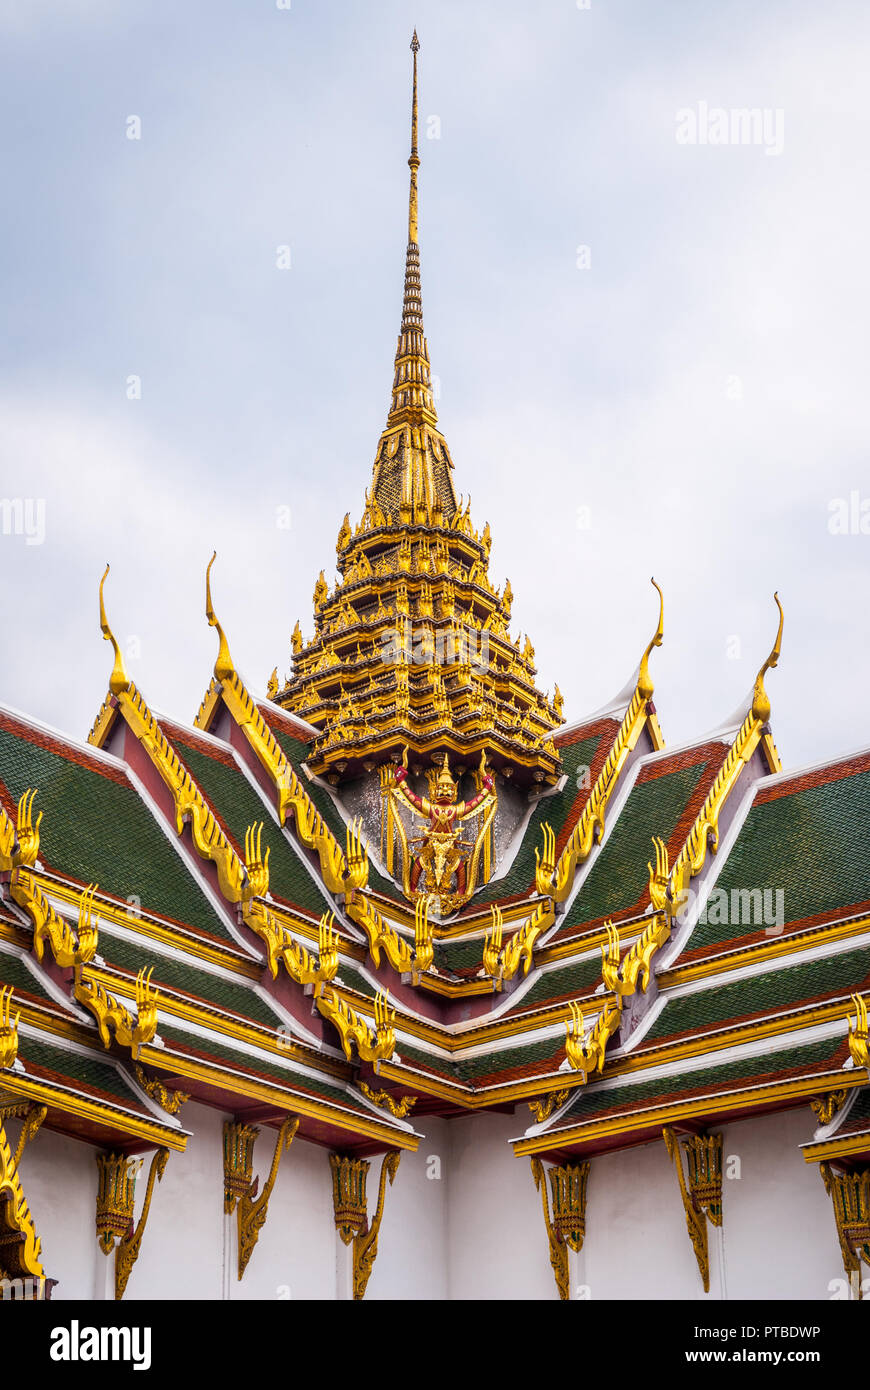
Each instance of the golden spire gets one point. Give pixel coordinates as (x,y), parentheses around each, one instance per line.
(413,402)
(414,160)
(416,555)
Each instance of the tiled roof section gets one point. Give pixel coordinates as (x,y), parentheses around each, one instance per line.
(491,1068)
(96,829)
(460,956)
(354,979)
(215,991)
(61,1066)
(209,1049)
(424,1061)
(282,721)
(663,801)
(297,752)
(512,1064)
(566,983)
(780,988)
(14,971)
(237,805)
(775,1066)
(820,776)
(582,760)
(812,843)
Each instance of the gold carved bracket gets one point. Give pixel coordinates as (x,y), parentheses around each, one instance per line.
(350,1206)
(19,1242)
(32,1115)
(702,1193)
(825,1107)
(398,1108)
(850,1194)
(116,1194)
(170,1101)
(240,1187)
(566,1228)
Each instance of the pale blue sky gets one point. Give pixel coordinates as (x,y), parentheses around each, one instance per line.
(611,388)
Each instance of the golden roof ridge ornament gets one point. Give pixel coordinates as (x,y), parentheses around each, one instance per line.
(760,698)
(645,685)
(119,681)
(223,667)
(556,877)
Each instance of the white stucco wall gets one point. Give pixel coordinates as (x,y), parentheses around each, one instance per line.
(779,1234)
(412,1247)
(59,1178)
(181,1252)
(462,1221)
(497,1245)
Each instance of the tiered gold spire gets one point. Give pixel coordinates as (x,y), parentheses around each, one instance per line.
(412,645)
(412,462)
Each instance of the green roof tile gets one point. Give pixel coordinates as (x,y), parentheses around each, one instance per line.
(242,1061)
(237,803)
(461,955)
(813,845)
(14,972)
(571,979)
(97,830)
(589,1103)
(297,752)
(619,876)
(775,989)
(182,975)
(75,1068)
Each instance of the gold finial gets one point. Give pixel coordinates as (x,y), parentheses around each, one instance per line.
(760,700)
(644,683)
(223,667)
(119,680)
(414,160)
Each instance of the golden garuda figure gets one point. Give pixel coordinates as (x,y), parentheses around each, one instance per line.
(441,855)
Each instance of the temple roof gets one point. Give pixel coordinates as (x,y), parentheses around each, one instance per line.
(662,936)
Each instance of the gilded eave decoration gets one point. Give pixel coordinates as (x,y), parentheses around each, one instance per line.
(240,1185)
(556,877)
(20,1246)
(116,1194)
(350,1207)
(566,1228)
(626,977)
(701,1192)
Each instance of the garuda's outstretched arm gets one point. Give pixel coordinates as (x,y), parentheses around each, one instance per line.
(465,808)
(417,803)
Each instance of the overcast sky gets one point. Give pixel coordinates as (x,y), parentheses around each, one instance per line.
(687,397)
